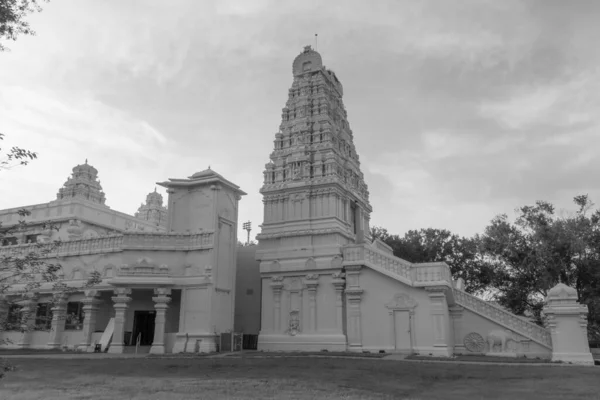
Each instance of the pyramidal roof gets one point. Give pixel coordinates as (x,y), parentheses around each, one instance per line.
(83,184)
(314,160)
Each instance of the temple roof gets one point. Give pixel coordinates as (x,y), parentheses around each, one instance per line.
(308,60)
(199,178)
(84,184)
(153,210)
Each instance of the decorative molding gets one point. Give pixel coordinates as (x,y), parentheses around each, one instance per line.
(401,301)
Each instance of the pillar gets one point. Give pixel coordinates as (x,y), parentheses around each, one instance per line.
(312,281)
(456,313)
(161,303)
(353,298)
(59,314)
(90,309)
(339,283)
(567,320)
(440,322)
(121,300)
(277,286)
(28,304)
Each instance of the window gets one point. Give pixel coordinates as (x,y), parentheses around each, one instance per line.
(43,316)
(13,321)
(9,241)
(31,238)
(75,315)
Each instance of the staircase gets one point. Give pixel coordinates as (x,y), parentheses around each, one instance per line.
(504,318)
(379,257)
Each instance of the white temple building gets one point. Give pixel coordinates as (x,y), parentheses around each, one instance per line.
(174,279)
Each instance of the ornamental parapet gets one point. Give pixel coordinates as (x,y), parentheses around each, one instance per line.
(115,243)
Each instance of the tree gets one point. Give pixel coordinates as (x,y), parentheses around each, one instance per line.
(12,18)
(540,249)
(435,245)
(27,268)
(15,156)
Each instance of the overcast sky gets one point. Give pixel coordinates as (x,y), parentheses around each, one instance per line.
(461,110)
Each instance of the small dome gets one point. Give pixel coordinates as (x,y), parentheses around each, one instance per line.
(309,60)
(207,173)
(562,291)
(202,174)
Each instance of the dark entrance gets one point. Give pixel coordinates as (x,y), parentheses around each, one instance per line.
(143,323)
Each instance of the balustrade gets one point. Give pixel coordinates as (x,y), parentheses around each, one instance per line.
(503,317)
(434,274)
(115,243)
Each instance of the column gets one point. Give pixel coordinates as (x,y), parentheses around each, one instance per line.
(353,298)
(90,309)
(456,317)
(120,299)
(59,313)
(339,282)
(161,303)
(28,304)
(277,286)
(312,281)
(4,308)
(440,321)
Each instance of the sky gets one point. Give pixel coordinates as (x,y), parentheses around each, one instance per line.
(461,110)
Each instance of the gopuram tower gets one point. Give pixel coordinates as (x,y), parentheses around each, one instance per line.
(315,202)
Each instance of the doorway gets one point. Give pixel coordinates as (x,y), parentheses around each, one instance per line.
(143,325)
(402,331)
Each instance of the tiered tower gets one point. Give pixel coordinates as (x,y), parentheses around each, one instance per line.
(83,184)
(315,201)
(153,211)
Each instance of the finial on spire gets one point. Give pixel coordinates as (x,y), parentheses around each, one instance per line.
(559,279)
(209,167)
(154,189)
(86,161)
(316,41)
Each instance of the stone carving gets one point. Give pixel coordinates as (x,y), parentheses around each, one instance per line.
(338,275)
(277,279)
(401,301)
(474,342)
(312,277)
(144,267)
(294,327)
(500,338)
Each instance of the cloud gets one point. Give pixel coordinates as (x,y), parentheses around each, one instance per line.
(460,110)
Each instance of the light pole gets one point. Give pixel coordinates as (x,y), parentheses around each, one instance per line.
(248,226)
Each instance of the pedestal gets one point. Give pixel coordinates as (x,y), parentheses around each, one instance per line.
(567,320)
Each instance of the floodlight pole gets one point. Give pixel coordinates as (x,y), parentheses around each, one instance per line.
(248,227)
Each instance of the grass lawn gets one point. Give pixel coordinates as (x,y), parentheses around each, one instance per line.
(290,378)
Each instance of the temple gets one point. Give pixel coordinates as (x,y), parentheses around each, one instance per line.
(175,280)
